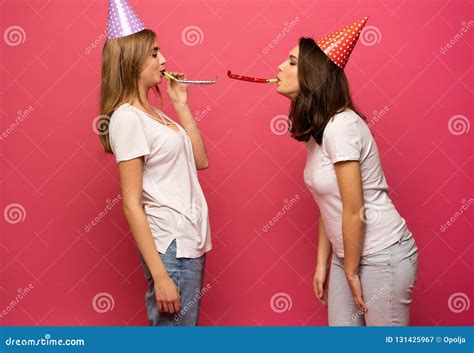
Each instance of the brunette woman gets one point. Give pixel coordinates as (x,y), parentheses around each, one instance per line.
(374,256)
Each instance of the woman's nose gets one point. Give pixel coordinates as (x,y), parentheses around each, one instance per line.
(163,59)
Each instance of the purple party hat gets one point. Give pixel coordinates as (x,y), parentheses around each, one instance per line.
(123,20)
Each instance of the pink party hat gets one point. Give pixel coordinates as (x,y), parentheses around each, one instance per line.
(338,45)
(123,20)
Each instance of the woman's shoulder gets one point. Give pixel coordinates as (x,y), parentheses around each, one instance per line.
(342,121)
(345,117)
(126,114)
(124,117)
(122,109)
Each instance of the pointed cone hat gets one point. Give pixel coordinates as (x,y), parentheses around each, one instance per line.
(338,45)
(123,20)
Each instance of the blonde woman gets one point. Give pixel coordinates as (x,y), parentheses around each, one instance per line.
(157,161)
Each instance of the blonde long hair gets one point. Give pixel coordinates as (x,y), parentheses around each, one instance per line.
(122,61)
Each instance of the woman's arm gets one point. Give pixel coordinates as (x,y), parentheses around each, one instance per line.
(166,292)
(178,94)
(189,124)
(324,245)
(324,250)
(350,187)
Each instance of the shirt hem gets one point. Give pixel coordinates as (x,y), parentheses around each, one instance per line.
(132,156)
(340,159)
(188,253)
(193,254)
(378,248)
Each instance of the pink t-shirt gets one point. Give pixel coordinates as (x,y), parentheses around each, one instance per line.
(347,137)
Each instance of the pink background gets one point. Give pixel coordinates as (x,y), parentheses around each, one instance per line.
(56,178)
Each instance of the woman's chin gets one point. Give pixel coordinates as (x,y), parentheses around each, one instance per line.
(282,92)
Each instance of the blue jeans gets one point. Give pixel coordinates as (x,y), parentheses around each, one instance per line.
(188,275)
(387,279)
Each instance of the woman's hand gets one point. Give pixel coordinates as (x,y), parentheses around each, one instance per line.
(167,296)
(177,92)
(320,285)
(356,289)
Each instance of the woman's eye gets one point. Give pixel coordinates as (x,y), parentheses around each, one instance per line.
(292,63)
(154,55)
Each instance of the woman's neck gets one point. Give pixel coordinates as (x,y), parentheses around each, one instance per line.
(143,93)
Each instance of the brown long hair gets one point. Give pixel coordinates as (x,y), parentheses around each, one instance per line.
(324,92)
(122,61)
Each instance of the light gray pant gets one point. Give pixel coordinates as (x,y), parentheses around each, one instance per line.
(387,280)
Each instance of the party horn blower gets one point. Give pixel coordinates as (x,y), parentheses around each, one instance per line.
(193,82)
(251,79)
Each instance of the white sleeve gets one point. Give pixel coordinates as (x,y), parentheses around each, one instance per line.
(342,139)
(126,135)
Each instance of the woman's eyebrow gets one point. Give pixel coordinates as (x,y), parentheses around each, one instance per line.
(156,48)
(292,56)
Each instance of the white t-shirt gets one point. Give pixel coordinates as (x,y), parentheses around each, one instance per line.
(347,137)
(173,200)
